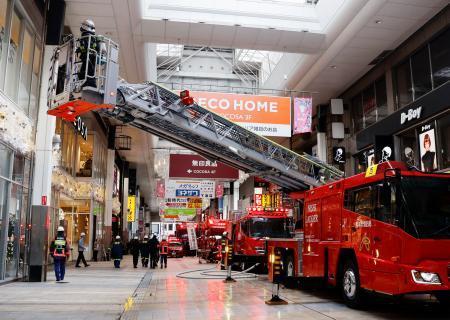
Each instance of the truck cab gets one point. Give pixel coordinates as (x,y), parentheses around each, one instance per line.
(251,232)
(175,247)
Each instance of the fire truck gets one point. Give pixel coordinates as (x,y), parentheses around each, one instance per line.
(181,233)
(249,234)
(176,249)
(386,230)
(209,240)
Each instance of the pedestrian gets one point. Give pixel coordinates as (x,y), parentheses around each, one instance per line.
(96,249)
(117,252)
(81,249)
(153,245)
(163,251)
(134,250)
(60,251)
(145,251)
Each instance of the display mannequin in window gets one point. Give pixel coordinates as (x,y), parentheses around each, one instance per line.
(429,156)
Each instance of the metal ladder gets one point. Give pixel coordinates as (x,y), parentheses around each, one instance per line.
(157,110)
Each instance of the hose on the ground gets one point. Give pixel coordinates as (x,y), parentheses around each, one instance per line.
(211,274)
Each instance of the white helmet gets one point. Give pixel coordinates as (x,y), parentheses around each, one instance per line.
(117,237)
(146,237)
(82,234)
(88,26)
(60,229)
(135,237)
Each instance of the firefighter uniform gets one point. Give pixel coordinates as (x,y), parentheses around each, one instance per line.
(117,252)
(60,251)
(163,252)
(153,245)
(145,252)
(134,250)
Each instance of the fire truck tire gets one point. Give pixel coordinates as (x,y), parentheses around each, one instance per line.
(350,285)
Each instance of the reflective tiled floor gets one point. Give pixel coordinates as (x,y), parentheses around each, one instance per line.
(102,292)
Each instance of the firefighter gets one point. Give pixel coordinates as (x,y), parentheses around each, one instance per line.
(117,252)
(153,244)
(145,252)
(60,251)
(163,251)
(134,250)
(87,30)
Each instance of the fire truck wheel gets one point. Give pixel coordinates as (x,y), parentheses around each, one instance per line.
(350,285)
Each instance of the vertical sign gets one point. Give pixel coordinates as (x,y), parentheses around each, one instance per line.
(302,115)
(131,208)
(219,190)
(192,236)
(160,188)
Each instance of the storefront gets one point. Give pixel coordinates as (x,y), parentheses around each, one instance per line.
(78,181)
(419,134)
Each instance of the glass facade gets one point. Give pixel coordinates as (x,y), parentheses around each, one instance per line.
(423,71)
(370,105)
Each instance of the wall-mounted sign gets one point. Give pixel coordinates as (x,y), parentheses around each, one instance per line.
(265,115)
(338,155)
(131,208)
(80,126)
(427,144)
(410,114)
(195,166)
(190,188)
(302,115)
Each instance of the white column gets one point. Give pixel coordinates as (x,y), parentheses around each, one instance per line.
(45,130)
(150,61)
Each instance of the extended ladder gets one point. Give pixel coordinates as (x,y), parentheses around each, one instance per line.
(160,111)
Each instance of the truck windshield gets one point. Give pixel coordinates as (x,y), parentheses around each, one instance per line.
(259,227)
(426,207)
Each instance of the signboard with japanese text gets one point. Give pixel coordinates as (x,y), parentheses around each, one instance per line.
(219,190)
(160,188)
(192,237)
(266,200)
(264,115)
(195,166)
(190,188)
(131,208)
(258,200)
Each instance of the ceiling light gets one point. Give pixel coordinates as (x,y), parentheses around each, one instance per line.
(333,66)
(271,28)
(165,19)
(237,25)
(201,22)
(378,21)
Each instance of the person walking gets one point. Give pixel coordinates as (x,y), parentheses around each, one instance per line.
(117,252)
(60,251)
(134,250)
(153,246)
(81,249)
(163,252)
(145,251)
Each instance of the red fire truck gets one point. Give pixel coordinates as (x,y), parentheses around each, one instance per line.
(176,249)
(209,240)
(250,233)
(181,233)
(387,231)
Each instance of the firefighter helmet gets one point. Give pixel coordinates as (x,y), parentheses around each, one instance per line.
(117,237)
(87,26)
(60,229)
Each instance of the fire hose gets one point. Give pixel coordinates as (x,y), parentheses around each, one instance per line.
(212,273)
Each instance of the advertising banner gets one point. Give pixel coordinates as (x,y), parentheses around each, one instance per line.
(219,190)
(160,188)
(264,115)
(427,143)
(190,188)
(131,208)
(192,237)
(302,115)
(195,166)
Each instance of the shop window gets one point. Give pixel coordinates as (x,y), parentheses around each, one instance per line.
(76,220)
(421,73)
(369,106)
(357,114)
(34,94)
(3,43)
(13,230)
(440,58)
(5,161)
(25,71)
(403,84)
(18,168)
(408,147)
(85,156)
(381,98)
(444,128)
(68,147)
(13,61)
